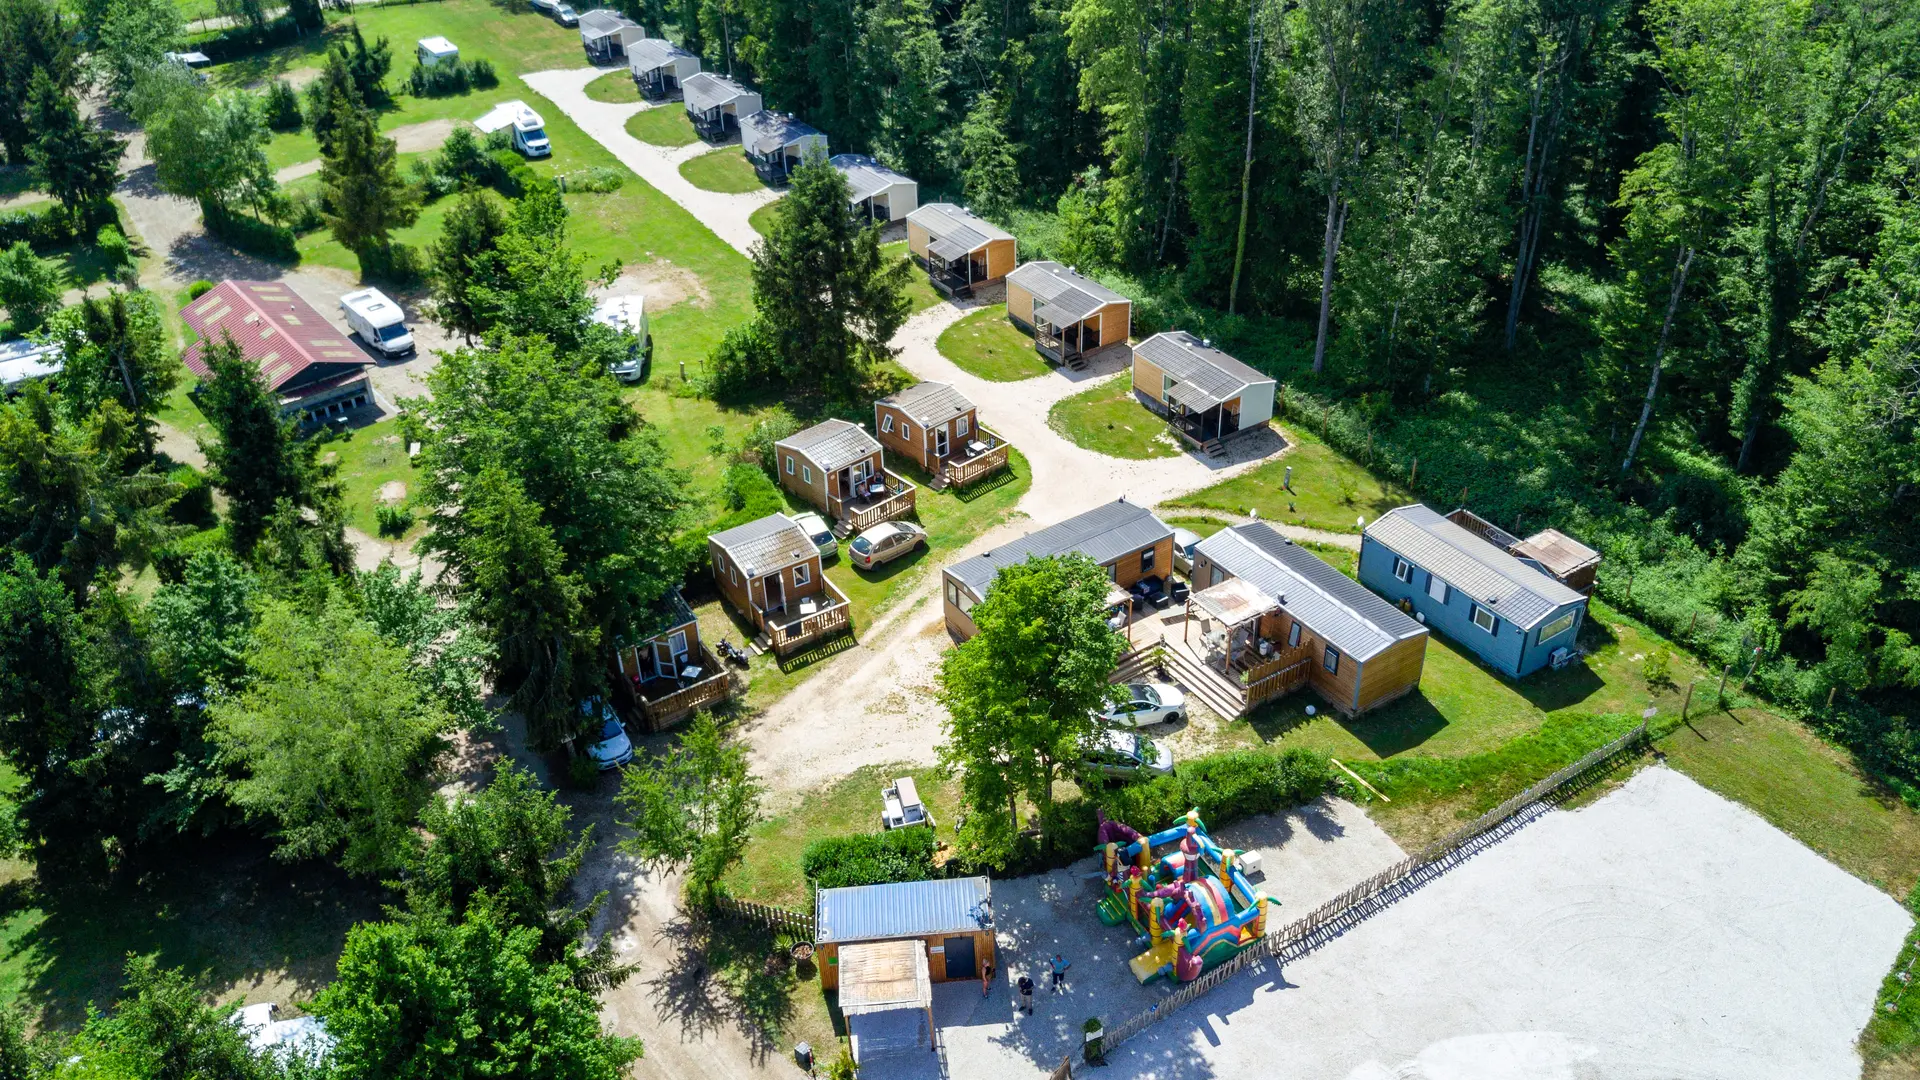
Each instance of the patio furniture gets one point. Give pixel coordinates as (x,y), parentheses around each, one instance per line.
(807,606)
(692,674)
(976,447)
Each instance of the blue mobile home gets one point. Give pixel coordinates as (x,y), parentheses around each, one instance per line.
(1507,610)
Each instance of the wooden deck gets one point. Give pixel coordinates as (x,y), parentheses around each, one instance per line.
(959,472)
(853,515)
(787,631)
(665,702)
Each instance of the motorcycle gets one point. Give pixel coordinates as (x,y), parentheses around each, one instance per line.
(731,654)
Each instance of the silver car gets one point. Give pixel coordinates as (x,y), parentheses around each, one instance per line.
(1144,704)
(885,542)
(1127,755)
(817,531)
(1184,541)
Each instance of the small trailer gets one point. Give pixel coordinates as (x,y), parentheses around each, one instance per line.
(627,315)
(378,320)
(432,51)
(529,131)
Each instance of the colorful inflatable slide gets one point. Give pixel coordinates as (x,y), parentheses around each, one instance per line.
(1192,905)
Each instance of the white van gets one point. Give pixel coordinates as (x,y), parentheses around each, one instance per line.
(378,320)
(529,131)
(628,315)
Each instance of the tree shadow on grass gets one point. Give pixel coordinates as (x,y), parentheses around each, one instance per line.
(727,971)
(232,916)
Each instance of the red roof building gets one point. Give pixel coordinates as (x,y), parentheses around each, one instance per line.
(307,363)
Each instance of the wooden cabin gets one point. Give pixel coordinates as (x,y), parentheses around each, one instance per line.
(960,252)
(952,916)
(839,468)
(1069,316)
(716,103)
(1206,395)
(1124,537)
(776,144)
(668,669)
(938,428)
(770,572)
(606,33)
(876,193)
(659,67)
(1271,617)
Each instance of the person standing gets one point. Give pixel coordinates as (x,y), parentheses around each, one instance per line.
(986,978)
(1059,965)
(1026,993)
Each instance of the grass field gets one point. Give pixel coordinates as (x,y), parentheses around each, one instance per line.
(664,125)
(762,219)
(1329,490)
(616,87)
(724,170)
(1106,419)
(986,344)
(373,458)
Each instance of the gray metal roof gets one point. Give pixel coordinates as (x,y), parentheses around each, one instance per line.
(1103,534)
(652,54)
(766,132)
(831,444)
(704,91)
(670,612)
(902,910)
(957,225)
(1334,606)
(1061,296)
(765,545)
(1208,376)
(1492,578)
(867,177)
(601,22)
(930,402)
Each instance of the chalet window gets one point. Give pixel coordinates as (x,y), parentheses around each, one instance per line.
(1293,635)
(906,430)
(1215,575)
(806,475)
(1484,619)
(789,464)
(1557,627)
(733,574)
(1436,588)
(801,576)
(1146,561)
(1331,659)
(886,424)
(953,593)
(1402,569)
(677,645)
(1113,571)
(961,428)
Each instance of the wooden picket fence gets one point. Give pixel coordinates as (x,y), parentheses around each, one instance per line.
(777,918)
(1337,915)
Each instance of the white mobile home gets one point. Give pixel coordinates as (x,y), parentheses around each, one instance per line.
(875,192)
(435,50)
(716,103)
(659,67)
(776,143)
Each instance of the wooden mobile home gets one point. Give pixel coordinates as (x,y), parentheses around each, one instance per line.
(839,468)
(770,572)
(1069,316)
(667,668)
(1205,394)
(961,252)
(1126,539)
(938,428)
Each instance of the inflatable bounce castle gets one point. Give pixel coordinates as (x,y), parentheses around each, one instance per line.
(1192,905)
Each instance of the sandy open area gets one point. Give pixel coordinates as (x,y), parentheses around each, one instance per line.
(1661,933)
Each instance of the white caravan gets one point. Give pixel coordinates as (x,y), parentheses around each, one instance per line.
(378,320)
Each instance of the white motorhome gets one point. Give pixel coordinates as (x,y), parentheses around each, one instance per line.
(378,320)
(628,315)
(435,50)
(529,131)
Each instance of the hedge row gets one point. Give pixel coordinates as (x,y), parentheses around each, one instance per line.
(250,234)
(870,858)
(1225,787)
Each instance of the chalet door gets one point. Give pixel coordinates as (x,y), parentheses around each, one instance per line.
(959,958)
(940,442)
(643,662)
(663,657)
(775,599)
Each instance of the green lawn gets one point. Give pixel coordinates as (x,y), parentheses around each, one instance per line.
(616,87)
(920,291)
(986,344)
(372,458)
(292,148)
(1197,524)
(762,219)
(662,125)
(724,170)
(1329,491)
(1106,419)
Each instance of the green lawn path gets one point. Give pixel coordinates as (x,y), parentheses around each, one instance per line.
(724,170)
(663,125)
(1330,491)
(1106,419)
(987,345)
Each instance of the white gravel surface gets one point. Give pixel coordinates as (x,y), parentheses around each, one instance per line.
(1663,933)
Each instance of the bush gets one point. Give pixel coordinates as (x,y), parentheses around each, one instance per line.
(1225,787)
(116,251)
(870,858)
(742,362)
(456,76)
(393,521)
(596,180)
(170,560)
(199,289)
(283,107)
(40,227)
(397,264)
(510,176)
(30,286)
(250,234)
(303,211)
(194,507)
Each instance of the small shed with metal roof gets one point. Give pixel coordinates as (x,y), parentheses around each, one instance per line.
(953,917)
(1068,313)
(659,67)
(716,103)
(1204,393)
(875,192)
(961,250)
(1509,610)
(1125,538)
(777,143)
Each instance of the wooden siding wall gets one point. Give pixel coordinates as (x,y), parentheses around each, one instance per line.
(920,447)
(1394,672)
(1116,323)
(745,593)
(814,493)
(1148,379)
(829,957)
(1001,258)
(917,239)
(1127,567)
(733,583)
(629,657)
(1019,305)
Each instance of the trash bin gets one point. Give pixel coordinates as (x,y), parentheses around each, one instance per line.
(803,1056)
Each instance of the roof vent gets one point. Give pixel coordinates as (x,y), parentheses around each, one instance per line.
(1206,343)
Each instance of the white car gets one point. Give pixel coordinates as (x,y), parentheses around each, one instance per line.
(1127,755)
(565,15)
(1184,541)
(1144,704)
(611,748)
(885,542)
(817,531)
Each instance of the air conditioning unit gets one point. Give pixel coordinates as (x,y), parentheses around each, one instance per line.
(1561,658)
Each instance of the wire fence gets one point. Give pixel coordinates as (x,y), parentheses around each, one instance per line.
(1334,917)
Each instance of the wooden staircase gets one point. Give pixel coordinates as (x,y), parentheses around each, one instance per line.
(1214,448)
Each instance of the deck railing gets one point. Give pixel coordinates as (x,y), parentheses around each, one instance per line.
(1285,658)
(661,713)
(897,503)
(960,473)
(1272,685)
(832,617)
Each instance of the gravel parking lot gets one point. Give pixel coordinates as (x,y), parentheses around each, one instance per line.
(1661,933)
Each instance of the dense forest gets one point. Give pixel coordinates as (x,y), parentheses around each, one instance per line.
(1644,271)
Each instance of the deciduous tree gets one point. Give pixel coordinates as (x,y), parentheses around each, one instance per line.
(693,807)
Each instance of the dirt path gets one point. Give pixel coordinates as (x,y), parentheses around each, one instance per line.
(726,215)
(408,139)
